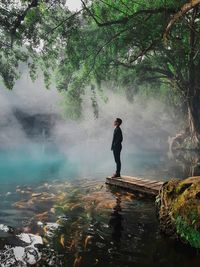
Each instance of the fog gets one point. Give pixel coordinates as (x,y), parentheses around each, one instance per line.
(32,98)
(86,144)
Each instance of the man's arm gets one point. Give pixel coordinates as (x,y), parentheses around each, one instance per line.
(118,138)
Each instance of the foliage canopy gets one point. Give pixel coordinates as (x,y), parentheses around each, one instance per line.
(126,43)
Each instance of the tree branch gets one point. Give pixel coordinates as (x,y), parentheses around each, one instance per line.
(167,73)
(20,18)
(155,78)
(63,21)
(143,52)
(184,9)
(6,11)
(125,19)
(113,7)
(102,47)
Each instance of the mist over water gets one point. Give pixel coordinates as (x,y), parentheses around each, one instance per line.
(35,139)
(53,169)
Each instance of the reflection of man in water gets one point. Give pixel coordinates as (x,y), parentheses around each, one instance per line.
(116,146)
(116,221)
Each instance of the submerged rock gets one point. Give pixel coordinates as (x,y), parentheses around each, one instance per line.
(5,228)
(22,252)
(51,228)
(6,231)
(179,210)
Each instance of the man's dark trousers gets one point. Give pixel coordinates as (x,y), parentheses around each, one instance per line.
(116,153)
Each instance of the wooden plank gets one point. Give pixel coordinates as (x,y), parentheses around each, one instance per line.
(149,191)
(152,192)
(141,179)
(150,187)
(142,183)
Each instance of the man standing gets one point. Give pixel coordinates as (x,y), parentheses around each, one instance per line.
(116,146)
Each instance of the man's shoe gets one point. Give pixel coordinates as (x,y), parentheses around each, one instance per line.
(116,176)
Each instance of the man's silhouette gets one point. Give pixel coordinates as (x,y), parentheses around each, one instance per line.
(116,146)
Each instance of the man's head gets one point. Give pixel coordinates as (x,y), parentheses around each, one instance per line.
(117,122)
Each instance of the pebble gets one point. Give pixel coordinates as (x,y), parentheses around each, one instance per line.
(36,194)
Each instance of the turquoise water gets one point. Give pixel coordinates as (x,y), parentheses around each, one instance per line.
(33,164)
(36,163)
(96,225)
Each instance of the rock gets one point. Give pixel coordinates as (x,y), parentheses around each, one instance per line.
(4,228)
(31,255)
(23,251)
(40,223)
(36,194)
(30,238)
(179,210)
(51,228)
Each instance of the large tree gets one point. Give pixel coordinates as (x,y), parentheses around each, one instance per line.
(137,42)
(127,43)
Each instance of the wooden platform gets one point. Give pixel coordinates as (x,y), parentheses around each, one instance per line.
(150,187)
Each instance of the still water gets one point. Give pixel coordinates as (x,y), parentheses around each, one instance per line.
(56,210)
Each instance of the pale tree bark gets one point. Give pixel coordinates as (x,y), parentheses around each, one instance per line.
(194,121)
(184,9)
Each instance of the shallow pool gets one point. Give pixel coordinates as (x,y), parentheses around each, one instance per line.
(82,222)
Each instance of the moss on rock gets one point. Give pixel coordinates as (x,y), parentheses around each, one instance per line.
(179,209)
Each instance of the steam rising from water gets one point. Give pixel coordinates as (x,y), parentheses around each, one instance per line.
(146,125)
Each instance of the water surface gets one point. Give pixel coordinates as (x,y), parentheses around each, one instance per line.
(82,221)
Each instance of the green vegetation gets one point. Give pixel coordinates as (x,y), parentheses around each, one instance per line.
(179,209)
(131,45)
(188,233)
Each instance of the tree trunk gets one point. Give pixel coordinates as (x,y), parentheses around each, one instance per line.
(189,138)
(193,92)
(194,121)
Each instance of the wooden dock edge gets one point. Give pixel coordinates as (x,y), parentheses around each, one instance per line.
(135,184)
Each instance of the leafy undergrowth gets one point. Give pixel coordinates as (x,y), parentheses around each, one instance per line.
(179,210)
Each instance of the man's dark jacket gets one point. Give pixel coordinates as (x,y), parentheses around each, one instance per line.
(117,139)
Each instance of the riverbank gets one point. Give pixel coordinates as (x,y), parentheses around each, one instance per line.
(179,210)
